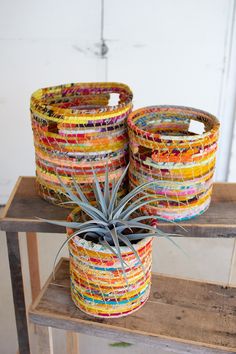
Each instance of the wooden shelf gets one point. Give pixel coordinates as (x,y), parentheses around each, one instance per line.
(25,206)
(181,315)
(149,324)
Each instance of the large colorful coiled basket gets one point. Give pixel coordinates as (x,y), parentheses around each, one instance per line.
(98,285)
(76,131)
(165,148)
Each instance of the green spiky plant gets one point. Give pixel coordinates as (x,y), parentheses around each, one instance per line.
(112,222)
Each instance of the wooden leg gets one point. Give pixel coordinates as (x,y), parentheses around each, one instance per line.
(72,343)
(32,247)
(44,340)
(18,291)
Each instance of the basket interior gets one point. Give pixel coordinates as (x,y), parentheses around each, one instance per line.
(175,124)
(85,98)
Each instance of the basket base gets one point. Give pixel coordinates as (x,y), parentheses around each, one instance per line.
(185,216)
(189,217)
(116,315)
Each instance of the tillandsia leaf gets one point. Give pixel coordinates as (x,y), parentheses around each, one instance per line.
(79,191)
(97,197)
(106,187)
(69,193)
(100,195)
(86,207)
(79,226)
(140,189)
(113,182)
(140,236)
(90,234)
(117,212)
(157,234)
(110,218)
(96,222)
(64,203)
(98,230)
(72,225)
(127,224)
(134,192)
(139,200)
(105,244)
(109,247)
(122,222)
(131,224)
(115,191)
(76,233)
(92,211)
(140,225)
(176,245)
(132,208)
(117,246)
(149,217)
(127,242)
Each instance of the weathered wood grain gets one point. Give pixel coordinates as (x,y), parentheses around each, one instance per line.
(72,345)
(33,259)
(181,315)
(18,291)
(44,340)
(25,206)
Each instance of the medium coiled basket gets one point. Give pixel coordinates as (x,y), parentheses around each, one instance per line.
(76,131)
(164,148)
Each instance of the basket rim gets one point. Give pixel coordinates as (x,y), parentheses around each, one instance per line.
(105,87)
(165,108)
(97,247)
(90,245)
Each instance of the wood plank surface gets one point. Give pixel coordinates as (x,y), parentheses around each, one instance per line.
(181,315)
(18,291)
(44,340)
(25,206)
(33,259)
(72,344)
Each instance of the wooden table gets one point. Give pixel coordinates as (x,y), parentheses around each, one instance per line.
(24,206)
(181,315)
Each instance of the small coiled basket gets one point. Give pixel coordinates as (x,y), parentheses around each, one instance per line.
(164,149)
(76,131)
(98,285)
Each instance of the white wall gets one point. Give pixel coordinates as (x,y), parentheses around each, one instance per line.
(42,43)
(168,51)
(177,52)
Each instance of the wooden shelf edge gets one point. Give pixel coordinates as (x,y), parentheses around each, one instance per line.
(118,334)
(12,195)
(114,331)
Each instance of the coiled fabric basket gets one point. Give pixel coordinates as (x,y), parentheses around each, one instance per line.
(75,132)
(165,149)
(98,286)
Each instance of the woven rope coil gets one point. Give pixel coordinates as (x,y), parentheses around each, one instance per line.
(98,285)
(165,150)
(75,132)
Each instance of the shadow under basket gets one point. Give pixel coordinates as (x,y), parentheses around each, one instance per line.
(98,285)
(175,147)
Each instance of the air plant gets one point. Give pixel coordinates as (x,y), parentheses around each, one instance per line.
(112,222)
